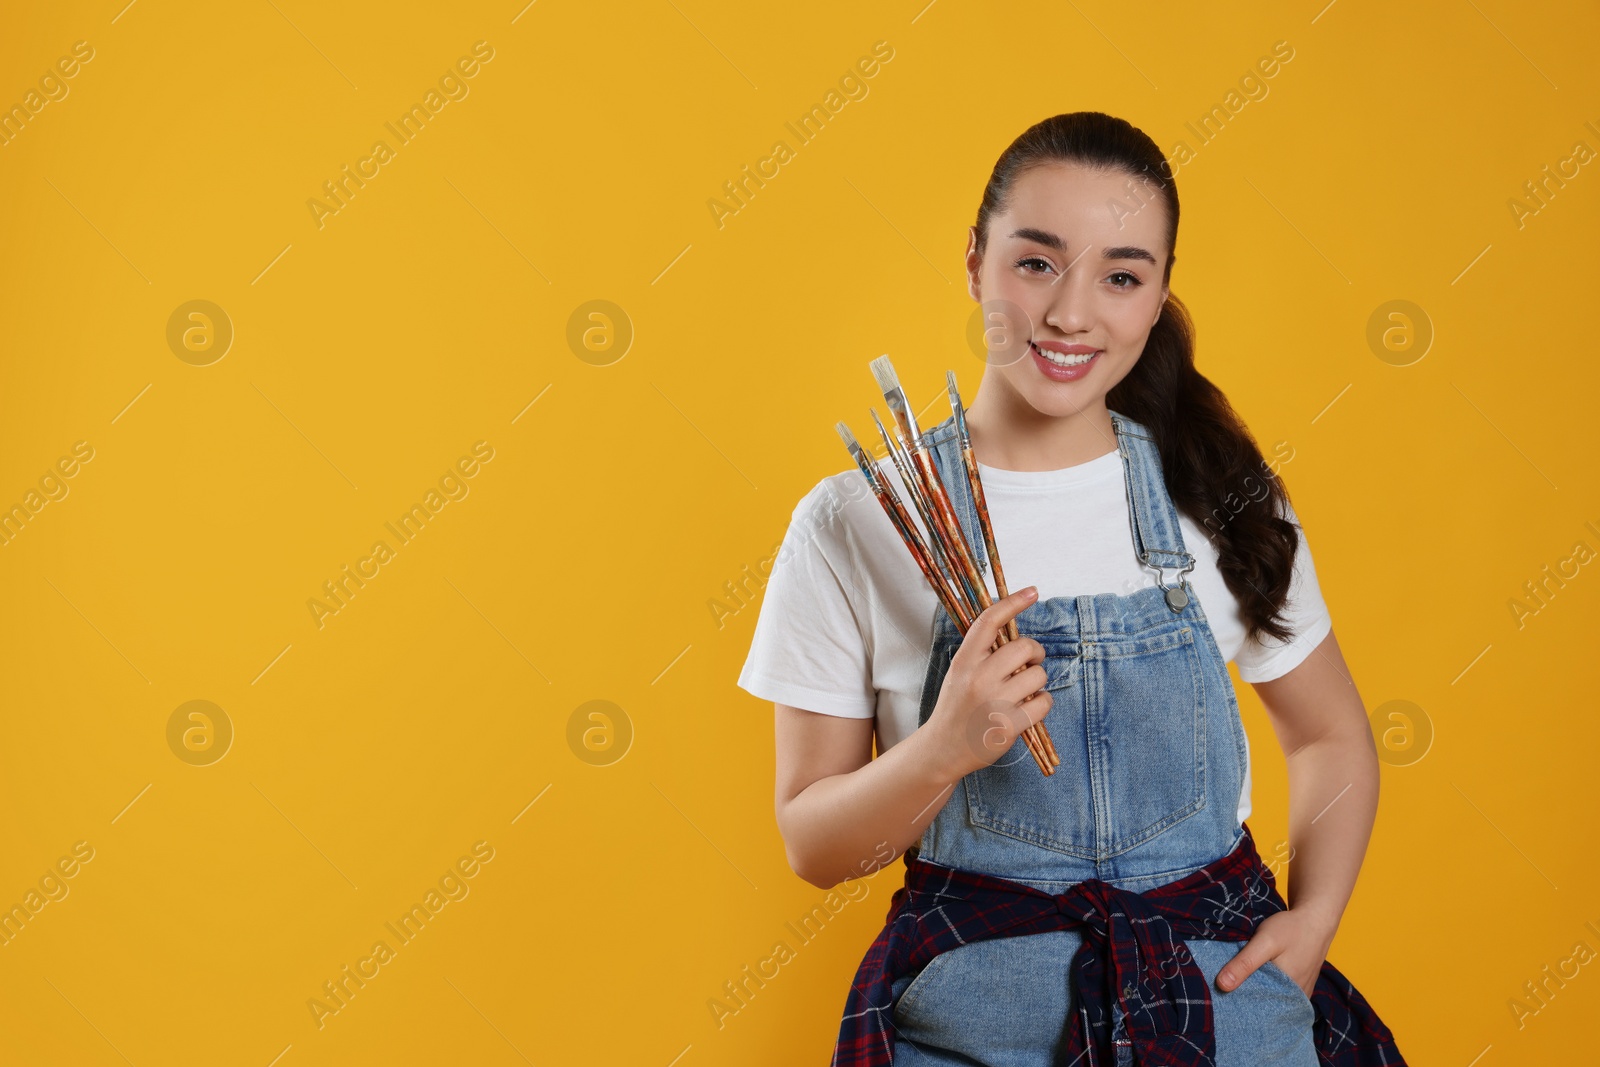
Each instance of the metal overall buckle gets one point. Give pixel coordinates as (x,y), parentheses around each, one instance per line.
(1177,595)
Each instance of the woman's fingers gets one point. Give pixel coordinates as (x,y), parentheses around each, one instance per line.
(985,629)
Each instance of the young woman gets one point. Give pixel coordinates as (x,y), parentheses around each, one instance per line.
(1117,909)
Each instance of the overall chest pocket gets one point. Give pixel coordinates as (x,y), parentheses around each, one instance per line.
(1128,719)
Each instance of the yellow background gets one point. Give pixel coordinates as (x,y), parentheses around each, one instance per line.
(433,710)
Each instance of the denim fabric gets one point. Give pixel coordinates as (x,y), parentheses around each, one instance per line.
(1005,1002)
(1152,748)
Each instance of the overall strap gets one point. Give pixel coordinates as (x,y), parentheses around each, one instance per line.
(1157,537)
(1153,518)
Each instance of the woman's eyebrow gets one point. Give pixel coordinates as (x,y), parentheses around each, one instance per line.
(1050,240)
(1128,252)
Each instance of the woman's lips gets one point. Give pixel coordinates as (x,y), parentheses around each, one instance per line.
(1056,372)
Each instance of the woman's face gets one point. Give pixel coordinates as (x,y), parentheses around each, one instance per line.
(1081,253)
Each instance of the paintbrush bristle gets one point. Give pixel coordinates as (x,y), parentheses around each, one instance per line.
(862,457)
(883,370)
(887,440)
(957,412)
(895,397)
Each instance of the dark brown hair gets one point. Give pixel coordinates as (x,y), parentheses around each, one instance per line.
(1208,456)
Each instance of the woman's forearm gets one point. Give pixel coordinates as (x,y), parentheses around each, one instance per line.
(1333,802)
(847,825)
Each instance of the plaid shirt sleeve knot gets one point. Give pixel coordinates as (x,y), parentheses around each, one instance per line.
(1130,955)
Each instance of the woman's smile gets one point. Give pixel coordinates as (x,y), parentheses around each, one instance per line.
(1063,363)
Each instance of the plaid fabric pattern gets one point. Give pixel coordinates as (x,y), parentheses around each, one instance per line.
(1129,954)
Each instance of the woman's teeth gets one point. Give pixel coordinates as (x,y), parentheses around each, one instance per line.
(1063,360)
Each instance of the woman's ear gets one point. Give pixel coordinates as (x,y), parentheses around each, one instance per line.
(974,264)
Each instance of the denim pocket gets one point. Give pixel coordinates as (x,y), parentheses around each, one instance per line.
(1134,705)
(1282,977)
(1304,1012)
(905,1004)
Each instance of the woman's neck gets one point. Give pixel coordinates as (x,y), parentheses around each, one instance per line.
(1008,433)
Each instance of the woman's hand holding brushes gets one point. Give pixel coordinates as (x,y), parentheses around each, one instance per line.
(993,692)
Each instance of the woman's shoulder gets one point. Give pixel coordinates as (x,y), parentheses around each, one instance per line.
(837,510)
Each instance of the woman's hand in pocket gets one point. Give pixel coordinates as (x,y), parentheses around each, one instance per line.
(1297,942)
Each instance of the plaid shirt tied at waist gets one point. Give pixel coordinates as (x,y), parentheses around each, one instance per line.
(1130,954)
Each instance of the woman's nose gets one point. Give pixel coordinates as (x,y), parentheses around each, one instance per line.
(1070,309)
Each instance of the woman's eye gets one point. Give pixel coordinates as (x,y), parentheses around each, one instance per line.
(1038,265)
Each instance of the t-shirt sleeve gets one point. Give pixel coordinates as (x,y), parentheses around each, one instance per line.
(1263,658)
(809,649)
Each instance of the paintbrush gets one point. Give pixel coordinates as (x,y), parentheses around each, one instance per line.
(948,528)
(970,463)
(960,602)
(991,552)
(933,570)
(961,589)
(967,602)
(945,526)
(896,511)
(890,500)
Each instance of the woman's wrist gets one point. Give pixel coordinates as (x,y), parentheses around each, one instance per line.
(1322,916)
(933,754)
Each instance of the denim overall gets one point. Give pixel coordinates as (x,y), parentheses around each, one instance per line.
(1152,748)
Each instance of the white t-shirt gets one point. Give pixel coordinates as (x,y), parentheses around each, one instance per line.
(847,620)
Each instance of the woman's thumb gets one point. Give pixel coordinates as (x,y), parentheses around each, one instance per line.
(996,615)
